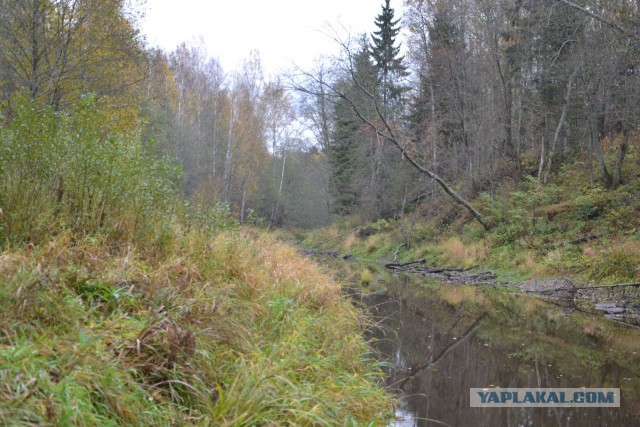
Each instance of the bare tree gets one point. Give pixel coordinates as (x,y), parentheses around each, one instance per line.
(387,130)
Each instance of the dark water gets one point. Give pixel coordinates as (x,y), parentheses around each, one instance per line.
(441,340)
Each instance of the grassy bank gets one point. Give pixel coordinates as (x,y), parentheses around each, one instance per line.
(562,228)
(230,331)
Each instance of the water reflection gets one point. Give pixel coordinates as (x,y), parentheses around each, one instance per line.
(442,340)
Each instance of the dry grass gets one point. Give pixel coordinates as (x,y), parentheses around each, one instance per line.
(350,241)
(618,260)
(552,210)
(284,265)
(10,263)
(209,331)
(455,252)
(528,262)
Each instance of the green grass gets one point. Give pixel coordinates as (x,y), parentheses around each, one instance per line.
(234,330)
(531,230)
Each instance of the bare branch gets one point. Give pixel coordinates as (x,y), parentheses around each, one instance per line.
(387,132)
(599,18)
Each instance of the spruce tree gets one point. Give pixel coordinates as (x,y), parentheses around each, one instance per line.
(386,56)
(348,139)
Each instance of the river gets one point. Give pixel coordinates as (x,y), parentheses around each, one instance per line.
(436,341)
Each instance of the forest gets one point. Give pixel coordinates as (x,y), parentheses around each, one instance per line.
(482,92)
(152,203)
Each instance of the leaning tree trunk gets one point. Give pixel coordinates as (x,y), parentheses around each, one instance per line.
(389,135)
(383,128)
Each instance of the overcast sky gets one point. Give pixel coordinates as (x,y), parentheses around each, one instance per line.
(284,31)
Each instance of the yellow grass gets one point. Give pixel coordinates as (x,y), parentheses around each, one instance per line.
(455,252)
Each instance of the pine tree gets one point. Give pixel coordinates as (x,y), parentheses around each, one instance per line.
(386,56)
(349,142)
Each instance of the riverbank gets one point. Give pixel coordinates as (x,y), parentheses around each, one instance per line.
(563,235)
(229,329)
(441,339)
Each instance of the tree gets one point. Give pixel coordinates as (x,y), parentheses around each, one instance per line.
(387,58)
(315,109)
(356,98)
(279,131)
(350,145)
(59,50)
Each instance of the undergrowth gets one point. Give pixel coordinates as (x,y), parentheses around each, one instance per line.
(563,227)
(123,304)
(234,330)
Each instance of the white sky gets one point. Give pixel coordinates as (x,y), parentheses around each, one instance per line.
(283,31)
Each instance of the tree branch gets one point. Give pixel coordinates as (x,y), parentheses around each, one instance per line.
(389,135)
(599,18)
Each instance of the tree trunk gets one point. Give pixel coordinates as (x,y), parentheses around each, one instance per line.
(434,132)
(563,115)
(228,158)
(595,144)
(35,50)
(274,213)
(518,138)
(592,182)
(244,194)
(541,161)
(622,151)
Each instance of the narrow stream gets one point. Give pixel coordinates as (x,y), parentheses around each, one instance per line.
(440,340)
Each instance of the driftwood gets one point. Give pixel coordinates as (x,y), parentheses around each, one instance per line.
(401,265)
(449,275)
(581,288)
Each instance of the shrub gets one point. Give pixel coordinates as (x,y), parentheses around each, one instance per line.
(590,204)
(74,170)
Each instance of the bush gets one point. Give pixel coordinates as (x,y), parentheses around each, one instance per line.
(590,204)
(74,170)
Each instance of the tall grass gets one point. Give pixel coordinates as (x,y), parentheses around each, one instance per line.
(120,304)
(94,339)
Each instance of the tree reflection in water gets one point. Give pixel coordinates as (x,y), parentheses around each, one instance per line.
(441,340)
